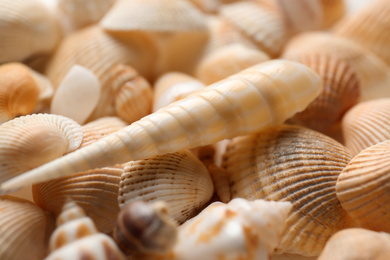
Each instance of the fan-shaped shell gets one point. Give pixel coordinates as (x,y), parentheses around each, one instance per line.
(366,124)
(363,187)
(29,141)
(180,179)
(296,164)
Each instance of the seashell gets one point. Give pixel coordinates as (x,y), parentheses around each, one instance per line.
(145,227)
(367,26)
(253,99)
(263,27)
(341,92)
(133,94)
(240,229)
(180,179)
(173,86)
(366,124)
(23,229)
(357,243)
(296,164)
(76,237)
(220,177)
(226,61)
(372,72)
(97,51)
(363,187)
(26,29)
(77,95)
(19,91)
(29,141)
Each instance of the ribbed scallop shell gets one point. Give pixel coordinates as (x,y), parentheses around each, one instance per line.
(366,124)
(23,229)
(262,26)
(341,91)
(26,28)
(363,187)
(296,164)
(29,141)
(369,26)
(226,61)
(180,179)
(133,94)
(19,91)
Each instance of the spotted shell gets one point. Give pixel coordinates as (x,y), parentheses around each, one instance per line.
(363,187)
(296,164)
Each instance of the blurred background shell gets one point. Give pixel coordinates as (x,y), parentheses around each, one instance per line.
(296,164)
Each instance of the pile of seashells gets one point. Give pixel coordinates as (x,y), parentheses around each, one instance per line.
(194,129)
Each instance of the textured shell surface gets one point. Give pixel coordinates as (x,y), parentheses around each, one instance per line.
(253,99)
(29,141)
(363,187)
(296,164)
(180,179)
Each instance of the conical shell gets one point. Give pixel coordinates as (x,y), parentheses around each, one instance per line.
(180,179)
(296,164)
(253,99)
(26,28)
(23,230)
(357,243)
(373,73)
(341,92)
(29,141)
(363,187)
(133,94)
(262,26)
(369,27)
(366,124)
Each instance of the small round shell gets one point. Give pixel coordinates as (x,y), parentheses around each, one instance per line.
(180,179)
(363,187)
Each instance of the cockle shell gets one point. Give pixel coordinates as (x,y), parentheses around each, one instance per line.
(23,229)
(226,61)
(253,99)
(29,141)
(366,124)
(357,243)
(263,27)
(19,92)
(180,179)
(26,28)
(296,164)
(363,187)
(76,237)
(133,93)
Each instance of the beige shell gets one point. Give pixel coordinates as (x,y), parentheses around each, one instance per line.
(357,243)
(29,141)
(253,99)
(341,92)
(367,26)
(19,92)
(180,179)
(133,94)
(363,187)
(26,28)
(23,229)
(226,61)
(372,72)
(366,124)
(263,27)
(296,164)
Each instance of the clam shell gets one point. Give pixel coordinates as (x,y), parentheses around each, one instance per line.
(363,187)
(29,141)
(296,164)
(366,124)
(180,179)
